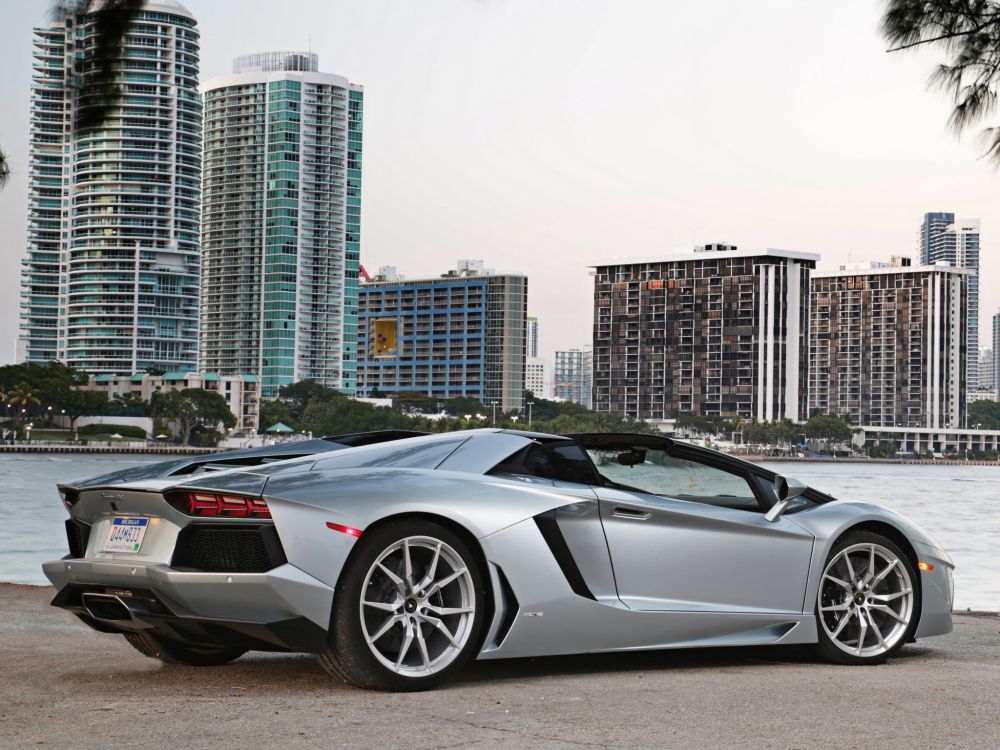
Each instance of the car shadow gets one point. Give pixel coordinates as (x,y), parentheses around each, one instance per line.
(266,672)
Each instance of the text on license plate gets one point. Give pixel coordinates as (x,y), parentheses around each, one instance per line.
(126,534)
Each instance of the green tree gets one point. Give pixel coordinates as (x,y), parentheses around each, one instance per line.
(411,401)
(985,415)
(459,407)
(190,408)
(968,33)
(78,404)
(828,427)
(342,415)
(127,405)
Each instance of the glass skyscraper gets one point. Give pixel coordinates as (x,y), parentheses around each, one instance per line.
(110,280)
(956,243)
(281,222)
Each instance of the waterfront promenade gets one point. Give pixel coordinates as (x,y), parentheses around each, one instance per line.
(65,685)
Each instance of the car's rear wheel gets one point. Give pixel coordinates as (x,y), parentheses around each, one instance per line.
(174,652)
(868,601)
(408,610)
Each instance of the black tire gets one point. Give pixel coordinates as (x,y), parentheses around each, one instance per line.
(349,656)
(858,599)
(174,652)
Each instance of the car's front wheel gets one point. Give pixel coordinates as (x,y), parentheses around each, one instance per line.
(408,610)
(868,601)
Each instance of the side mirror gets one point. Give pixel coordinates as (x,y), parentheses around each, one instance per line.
(787,489)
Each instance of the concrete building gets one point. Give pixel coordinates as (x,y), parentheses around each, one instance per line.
(987,369)
(573,376)
(956,242)
(888,344)
(921,441)
(242,392)
(996,354)
(461,334)
(531,338)
(281,231)
(534,376)
(110,280)
(534,366)
(714,331)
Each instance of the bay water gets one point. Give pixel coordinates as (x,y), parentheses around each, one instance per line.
(958,505)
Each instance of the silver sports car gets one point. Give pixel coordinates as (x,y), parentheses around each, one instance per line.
(398,557)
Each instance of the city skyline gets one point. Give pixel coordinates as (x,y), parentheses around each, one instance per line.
(443,183)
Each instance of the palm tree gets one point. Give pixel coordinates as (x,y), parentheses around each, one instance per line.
(4,169)
(99,91)
(969,34)
(21,398)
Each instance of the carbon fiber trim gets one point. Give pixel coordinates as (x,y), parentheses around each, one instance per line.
(553,536)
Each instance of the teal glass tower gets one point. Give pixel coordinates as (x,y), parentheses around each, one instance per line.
(109,284)
(281,221)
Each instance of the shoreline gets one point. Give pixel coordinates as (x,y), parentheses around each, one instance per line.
(179,450)
(859,460)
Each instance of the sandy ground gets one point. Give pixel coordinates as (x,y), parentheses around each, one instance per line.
(65,686)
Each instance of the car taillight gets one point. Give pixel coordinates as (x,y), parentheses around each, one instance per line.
(69,497)
(227,506)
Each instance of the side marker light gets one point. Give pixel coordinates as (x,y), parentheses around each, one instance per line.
(925,566)
(343,529)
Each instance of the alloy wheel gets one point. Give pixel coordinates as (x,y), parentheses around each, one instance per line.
(866,599)
(418,606)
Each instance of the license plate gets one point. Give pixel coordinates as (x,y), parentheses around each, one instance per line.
(126,534)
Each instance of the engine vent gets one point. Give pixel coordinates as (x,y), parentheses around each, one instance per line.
(77,534)
(228,548)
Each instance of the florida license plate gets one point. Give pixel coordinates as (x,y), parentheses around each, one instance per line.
(126,534)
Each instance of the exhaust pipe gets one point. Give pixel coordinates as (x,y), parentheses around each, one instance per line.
(106,607)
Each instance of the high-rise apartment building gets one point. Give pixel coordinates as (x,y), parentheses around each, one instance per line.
(534,376)
(110,280)
(531,338)
(717,331)
(987,370)
(459,335)
(943,239)
(534,366)
(996,354)
(888,344)
(573,376)
(281,222)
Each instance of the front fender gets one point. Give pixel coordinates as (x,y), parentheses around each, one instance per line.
(831,521)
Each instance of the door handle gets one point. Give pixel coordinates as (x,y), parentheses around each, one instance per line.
(633,514)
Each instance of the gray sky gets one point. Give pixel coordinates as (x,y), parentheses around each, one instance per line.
(544,136)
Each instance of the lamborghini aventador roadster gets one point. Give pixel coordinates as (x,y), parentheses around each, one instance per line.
(397,557)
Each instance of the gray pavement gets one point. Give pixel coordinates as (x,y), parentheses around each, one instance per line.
(63,685)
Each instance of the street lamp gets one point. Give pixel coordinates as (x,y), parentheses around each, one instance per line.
(494,405)
(529,405)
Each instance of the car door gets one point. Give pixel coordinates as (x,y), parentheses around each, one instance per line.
(686,532)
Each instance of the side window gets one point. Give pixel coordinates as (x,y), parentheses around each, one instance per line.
(562,462)
(656,472)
